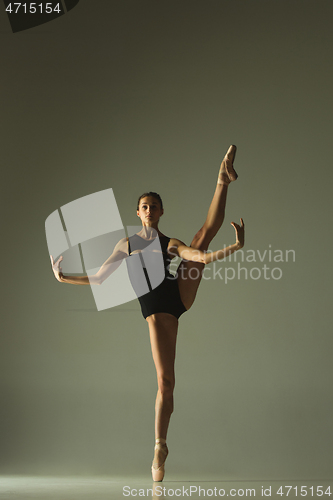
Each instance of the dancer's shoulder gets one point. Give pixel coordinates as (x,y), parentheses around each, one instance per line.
(121,246)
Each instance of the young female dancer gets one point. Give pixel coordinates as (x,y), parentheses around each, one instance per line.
(163,305)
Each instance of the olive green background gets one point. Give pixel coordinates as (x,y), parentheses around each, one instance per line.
(148,95)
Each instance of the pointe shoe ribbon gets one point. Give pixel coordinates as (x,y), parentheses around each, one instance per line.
(227,172)
(157,469)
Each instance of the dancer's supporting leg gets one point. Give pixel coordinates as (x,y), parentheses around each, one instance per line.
(189,273)
(163,334)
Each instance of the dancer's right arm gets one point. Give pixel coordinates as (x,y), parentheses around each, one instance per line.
(109,266)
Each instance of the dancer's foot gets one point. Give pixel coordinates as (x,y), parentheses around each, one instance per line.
(161,452)
(227,173)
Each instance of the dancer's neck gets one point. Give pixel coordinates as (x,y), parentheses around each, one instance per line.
(150,232)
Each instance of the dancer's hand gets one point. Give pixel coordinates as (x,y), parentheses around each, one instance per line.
(239,229)
(56,268)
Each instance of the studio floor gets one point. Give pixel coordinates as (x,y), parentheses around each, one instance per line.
(109,488)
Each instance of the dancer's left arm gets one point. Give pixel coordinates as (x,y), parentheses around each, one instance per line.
(178,248)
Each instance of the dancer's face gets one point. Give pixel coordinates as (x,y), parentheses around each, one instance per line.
(149,211)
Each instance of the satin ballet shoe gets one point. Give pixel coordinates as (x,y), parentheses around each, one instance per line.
(227,172)
(157,469)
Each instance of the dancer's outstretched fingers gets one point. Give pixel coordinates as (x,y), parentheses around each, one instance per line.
(56,267)
(239,233)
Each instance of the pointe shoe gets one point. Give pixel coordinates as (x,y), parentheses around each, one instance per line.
(157,469)
(227,172)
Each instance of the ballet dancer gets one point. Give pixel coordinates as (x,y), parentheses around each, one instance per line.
(162,306)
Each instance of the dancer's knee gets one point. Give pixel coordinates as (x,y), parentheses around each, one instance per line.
(166,386)
(203,237)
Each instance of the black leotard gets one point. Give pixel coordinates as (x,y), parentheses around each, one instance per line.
(163,298)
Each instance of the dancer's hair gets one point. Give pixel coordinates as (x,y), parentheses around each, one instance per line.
(153,195)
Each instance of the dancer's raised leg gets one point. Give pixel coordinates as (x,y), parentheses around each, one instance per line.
(189,273)
(163,334)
